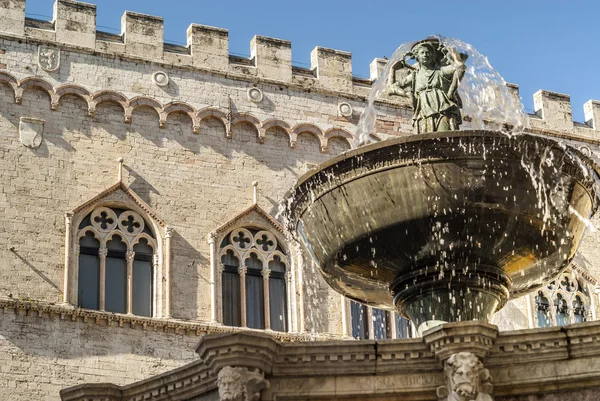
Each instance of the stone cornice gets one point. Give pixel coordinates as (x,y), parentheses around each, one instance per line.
(64,312)
(520,362)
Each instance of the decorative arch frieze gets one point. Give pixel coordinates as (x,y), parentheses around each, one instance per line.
(163,111)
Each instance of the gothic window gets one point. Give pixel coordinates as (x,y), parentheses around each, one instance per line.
(578,310)
(254,280)
(377,324)
(380,324)
(403,327)
(542,310)
(116,263)
(563,301)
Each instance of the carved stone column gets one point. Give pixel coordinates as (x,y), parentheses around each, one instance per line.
(156,311)
(213,277)
(219,292)
(242,270)
(168,235)
(266,298)
(289,288)
(130,256)
(102,253)
(240,384)
(67,276)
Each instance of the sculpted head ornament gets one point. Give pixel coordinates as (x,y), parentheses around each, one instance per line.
(467,379)
(240,384)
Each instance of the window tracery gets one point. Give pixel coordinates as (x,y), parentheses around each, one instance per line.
(563,301)
(254,280)
(117,261)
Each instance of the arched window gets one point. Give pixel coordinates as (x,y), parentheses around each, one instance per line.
(254,280)
(578,310)
(230,284)
(562,302)
(562,310)
(403,327)
(368,323)
(543,310)
(360,320)
(116,263)
(88,288)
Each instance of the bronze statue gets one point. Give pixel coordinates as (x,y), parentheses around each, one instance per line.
(433,81)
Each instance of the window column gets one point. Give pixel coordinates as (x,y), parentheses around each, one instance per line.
(266,298)
(129,256)
(242,271)
(67,275)
(102,253)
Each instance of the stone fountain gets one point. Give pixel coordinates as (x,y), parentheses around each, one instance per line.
(444,225)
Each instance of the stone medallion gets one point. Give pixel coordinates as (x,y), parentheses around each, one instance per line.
(31,131)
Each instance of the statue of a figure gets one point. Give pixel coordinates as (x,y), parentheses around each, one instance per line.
(240,384)
(467,379)
(433,81)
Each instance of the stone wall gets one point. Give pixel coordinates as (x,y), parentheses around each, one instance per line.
(191,151)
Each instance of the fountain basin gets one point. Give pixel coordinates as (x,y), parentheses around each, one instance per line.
(445,226)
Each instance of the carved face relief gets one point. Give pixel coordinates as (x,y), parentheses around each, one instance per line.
(230,384)
(464,371)
(48,58)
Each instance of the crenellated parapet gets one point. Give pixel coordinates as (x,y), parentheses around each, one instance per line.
(73,28)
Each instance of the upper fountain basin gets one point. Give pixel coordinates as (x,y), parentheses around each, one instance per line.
(454,211)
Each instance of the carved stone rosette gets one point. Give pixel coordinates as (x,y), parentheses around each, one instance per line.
(240,384)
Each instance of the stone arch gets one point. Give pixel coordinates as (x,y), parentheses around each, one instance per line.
(338,133)
(311,129)
(10,81)
(76,90)
(34,82)
(110,96)
(248,119)
(211,112)
(142,101)
(273,123)
(185,109)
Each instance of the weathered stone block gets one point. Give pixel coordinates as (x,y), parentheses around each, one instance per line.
(554,108)
(376,68)
(591,110)
(12,17)
(75,23)
(334,68)
(143,35)
(272,57)
(209,46)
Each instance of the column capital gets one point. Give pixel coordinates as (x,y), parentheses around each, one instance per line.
(130,255)
(168,232)
(102,252)
(242,270)
(265,273)
(211,237)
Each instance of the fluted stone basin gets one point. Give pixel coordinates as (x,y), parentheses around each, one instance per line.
(445,226)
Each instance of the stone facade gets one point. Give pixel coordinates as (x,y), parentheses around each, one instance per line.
(195,128)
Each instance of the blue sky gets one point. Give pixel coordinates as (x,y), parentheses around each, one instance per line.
(537,44)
